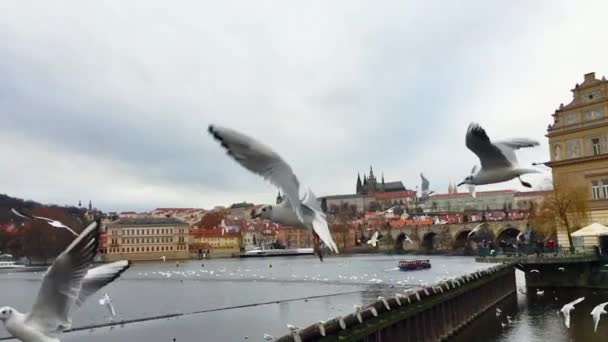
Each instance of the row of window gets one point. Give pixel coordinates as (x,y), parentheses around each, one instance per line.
(147,249)
(131,241)
(597,189)
(588,115)
(573,149)
(156,231)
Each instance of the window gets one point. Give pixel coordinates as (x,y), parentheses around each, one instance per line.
(573,148)
(595,189)
(596,146)
(605,187)
(571,118)
(557,155)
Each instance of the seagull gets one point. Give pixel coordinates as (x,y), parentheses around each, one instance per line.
(534,271)
(509,320)
(520,237)
(65,287)
(569,307)
(503,324)
(163,258)
(107,302)
(498,159)
(597,312)
(385,302)
(373,310)
(54,223)
(539,292)
(475,230)
(292,327)
(341,322)
(407,238)
(358,309)
(561,269)
(374,239)
(262,160)
(269,337)
(398,297)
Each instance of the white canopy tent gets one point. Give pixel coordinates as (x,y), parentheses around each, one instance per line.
(589,236)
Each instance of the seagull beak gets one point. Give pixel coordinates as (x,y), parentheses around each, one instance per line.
(460,184)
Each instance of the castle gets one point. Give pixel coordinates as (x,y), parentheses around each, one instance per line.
(370,184)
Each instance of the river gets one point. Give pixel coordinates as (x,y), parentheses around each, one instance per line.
(242,299)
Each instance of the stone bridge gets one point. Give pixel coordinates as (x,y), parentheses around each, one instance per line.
(451,237)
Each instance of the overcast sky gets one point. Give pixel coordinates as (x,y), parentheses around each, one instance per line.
(110,100)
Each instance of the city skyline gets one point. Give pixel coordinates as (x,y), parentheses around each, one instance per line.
(119,116)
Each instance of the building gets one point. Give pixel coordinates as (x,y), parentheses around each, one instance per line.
(499,200)
(258,233)
(294,237)
(146,238)
(371,191)
(578,141)
(215,242)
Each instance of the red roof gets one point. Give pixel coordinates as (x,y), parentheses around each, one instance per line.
(216,232)
(395,194)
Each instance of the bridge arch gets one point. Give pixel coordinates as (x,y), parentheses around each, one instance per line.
(462,242)
(428,241)
(507,233)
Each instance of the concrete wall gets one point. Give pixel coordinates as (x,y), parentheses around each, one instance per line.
(420,315)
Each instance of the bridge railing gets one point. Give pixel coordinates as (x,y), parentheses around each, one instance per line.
(428,313)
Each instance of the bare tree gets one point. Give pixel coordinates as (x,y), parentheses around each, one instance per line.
(566,206)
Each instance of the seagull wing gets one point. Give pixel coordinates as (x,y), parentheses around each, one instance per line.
(508,147)
(319,221)
(566,312)
(489,154)
(574,302)
(21,214)
(260,159)
(63,282)
(98,277)
(597,312)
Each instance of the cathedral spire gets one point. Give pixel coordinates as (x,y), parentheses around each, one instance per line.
(359,185)
(279,198)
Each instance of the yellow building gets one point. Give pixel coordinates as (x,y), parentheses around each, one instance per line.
(578,140)
(147,238)
(216,242)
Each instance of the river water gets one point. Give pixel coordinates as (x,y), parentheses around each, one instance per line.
(242,299)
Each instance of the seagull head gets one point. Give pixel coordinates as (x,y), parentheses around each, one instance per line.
(5,313)
(264,212)
(467,180)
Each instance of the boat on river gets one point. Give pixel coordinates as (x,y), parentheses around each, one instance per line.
(258,252)
(411,265)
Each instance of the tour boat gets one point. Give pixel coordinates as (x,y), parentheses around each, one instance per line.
(410,265)
(9,265)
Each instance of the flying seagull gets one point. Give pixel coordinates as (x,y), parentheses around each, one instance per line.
(596,313)
(498,159)
(407,239)
(263,161)
(534,271)
(54,223)
(474,231)
(107,302)
(65,287)
(569,307)
(374,239)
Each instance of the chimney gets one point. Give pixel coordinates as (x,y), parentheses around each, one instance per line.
(589,77)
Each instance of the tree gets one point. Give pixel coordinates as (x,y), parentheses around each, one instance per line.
(374,206)
(566,206)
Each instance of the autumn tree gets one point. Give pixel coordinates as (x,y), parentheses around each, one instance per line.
(567,206)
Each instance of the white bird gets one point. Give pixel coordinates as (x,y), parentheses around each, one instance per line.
(51,222)
(163,258)
(509,320)
(520,237)
(321,325)
(597,313)
(373,311)
(407,238)
(261,160)
(474,230)
(398,297)
(534,271)
(374,239)
(107,302)
(358,309)
(539,292)
(292,327)
(503,324)
(269,337)
(65,287)
(498,159)
(569,307)
(385,302)
(561,269)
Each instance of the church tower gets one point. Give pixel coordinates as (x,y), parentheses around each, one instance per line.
(450,188)
(359,185)
(279,198)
